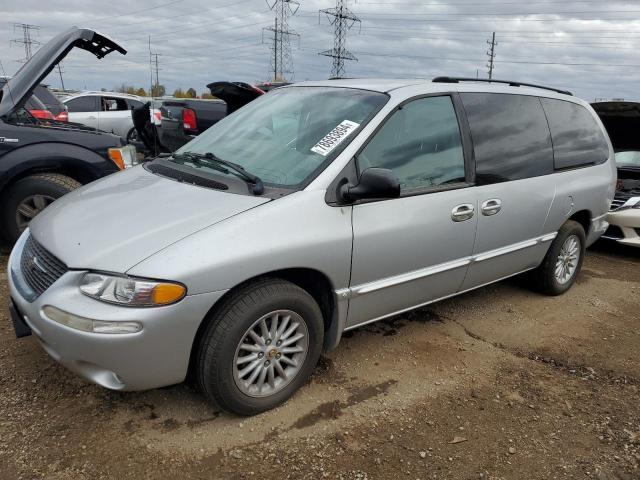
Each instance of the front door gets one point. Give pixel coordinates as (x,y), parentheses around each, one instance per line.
(414,249)
(84,110)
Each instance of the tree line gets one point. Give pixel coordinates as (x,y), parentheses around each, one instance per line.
(160,91)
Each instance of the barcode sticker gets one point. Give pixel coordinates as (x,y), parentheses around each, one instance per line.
(334,138)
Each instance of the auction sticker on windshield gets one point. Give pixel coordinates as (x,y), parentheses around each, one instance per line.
(334,138)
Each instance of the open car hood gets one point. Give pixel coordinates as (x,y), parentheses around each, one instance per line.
(234,94)
(622,121)
(19,88)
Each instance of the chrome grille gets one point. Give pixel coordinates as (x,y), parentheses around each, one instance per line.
(39,267)
(622,196)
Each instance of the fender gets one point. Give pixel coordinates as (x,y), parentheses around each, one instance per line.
(81,163)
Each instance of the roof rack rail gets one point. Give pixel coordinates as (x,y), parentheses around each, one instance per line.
(507,82)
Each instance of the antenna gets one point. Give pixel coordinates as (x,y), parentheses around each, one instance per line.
(342,20)
(281,61)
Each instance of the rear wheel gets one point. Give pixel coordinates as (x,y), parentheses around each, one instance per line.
(132,135)
(260,347)
(26,198)
(563,261)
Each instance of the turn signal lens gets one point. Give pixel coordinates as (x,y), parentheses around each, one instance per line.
(116,156)
(124,157)
(131,292)
(166,293)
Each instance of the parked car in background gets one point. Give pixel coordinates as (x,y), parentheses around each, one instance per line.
(313,210)
(41,160)
(622,121)
(106,111)
(182,119)
(43,104)
(52,103)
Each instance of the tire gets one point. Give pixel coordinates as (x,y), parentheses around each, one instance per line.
(33,194)
(132,135)
(544,278)
(227,333)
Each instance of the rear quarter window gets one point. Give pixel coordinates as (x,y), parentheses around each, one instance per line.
(577,138)
(83,104)
(510,136)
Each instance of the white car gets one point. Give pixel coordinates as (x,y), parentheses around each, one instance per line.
(107,111)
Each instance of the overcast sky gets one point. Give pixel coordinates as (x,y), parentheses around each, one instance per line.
(589,47)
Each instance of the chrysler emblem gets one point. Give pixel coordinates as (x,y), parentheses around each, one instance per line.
(34,264)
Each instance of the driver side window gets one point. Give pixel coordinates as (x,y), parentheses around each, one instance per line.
(420,144)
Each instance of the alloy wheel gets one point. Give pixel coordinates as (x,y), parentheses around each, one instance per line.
(271,353)
(29,208)
(567,261)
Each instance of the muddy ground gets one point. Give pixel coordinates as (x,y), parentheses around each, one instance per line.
(501,383)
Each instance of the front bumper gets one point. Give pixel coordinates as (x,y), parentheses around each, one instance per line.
(625,226)
(154,357)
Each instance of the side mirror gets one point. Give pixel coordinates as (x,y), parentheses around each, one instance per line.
(374,183)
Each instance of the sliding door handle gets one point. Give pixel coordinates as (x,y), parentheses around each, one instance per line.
(462,212)
(491,206)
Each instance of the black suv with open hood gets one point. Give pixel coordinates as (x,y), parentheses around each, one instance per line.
(42,160)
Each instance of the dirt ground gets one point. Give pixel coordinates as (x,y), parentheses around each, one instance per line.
(501,383)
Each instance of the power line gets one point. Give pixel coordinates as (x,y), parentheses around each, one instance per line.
(281,61)
(342,20)
(137,11)
(492,54)
(26,41)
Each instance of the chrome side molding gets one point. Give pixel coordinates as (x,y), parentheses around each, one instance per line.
(346,293)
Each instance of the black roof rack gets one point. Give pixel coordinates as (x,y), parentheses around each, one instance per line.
(507,82)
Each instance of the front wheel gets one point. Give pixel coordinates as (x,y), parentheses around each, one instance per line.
(260,346)
(563,261)
(29,196)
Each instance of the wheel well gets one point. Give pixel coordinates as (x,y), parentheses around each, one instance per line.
(583,217)
(312,281)
(77,174)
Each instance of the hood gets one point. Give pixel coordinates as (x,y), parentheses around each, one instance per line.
(622,121)
(234,94)
(18,89)
(114,223)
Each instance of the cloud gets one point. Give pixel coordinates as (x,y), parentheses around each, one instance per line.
(587,47)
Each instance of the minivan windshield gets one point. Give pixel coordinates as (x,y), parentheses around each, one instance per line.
(286,136)
(628,159)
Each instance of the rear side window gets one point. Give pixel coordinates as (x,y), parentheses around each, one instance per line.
(510,136)
(134,103)
(110,104)
(83,104)
(577,138)
(420,144)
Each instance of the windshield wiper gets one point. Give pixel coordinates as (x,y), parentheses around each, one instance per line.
(224,166)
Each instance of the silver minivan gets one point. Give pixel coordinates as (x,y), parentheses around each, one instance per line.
(313,210)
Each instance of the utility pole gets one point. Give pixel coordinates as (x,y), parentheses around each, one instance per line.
(155,67)
(342,20)
(282,63)
(60,72)
(492,54)
(26,41)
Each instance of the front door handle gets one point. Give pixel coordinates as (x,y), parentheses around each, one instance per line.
(491,206)
(462,212)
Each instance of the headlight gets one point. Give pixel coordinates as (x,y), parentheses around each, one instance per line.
(131,292)
(124,157)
